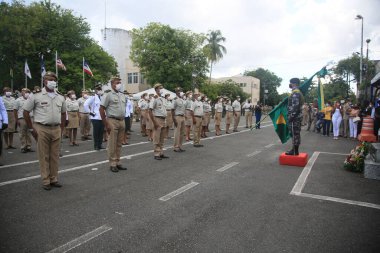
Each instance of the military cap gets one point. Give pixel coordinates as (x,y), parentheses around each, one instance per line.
(144,94)
(157,85)
(85,91)
(50,74)
(295,80)
(167,94)
(115,78)
(98,87)
(188,92)
(178,89)
(126,92)
(25,89)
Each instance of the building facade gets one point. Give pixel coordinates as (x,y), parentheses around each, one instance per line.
(249,84)
(117,42)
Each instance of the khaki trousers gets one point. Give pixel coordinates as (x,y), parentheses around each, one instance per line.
(236,120)
(248,119)
(197,130)
(158,136)
(115,140)
(179,132)
(85,124)
(25,135)
(48,144)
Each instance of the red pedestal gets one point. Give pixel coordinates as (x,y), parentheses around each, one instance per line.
(294,160)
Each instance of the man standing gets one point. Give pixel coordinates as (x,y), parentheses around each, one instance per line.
(295,103)
(25,136)
(169,117)
(237,111)
(188,118)
(143,106)
(92,106)
(247,108)
(49,108)
(84,119)
(113,105)
(258,111)
(3,124)
(346,112)
(9,104)
(197,114)
(157,112)
(178,114)
(218,116)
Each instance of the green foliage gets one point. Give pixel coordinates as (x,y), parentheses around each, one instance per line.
(214,50)
(355,160)
(268,81)
(27,31)
(172,57)
(228,88)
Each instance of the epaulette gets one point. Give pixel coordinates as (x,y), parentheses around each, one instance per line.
(36,91)
(106,91)
(59,92)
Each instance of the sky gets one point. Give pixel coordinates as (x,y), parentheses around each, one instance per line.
(291,38)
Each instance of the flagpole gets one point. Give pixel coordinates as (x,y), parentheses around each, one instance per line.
(26,77)
(83,73)
(41,62)
(56,67)
(11,72)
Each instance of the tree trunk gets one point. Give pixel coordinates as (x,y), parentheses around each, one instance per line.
(209,82)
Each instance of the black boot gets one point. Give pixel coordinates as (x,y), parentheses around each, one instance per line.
(296,150)
(291,152)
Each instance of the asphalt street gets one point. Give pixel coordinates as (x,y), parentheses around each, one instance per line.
(229,196)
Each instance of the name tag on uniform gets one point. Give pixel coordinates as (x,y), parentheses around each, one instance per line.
(43,104)
(116,100)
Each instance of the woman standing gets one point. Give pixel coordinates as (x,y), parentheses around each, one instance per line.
(354,119)
(327,119)
(73,116)
(336,119)
(9,101)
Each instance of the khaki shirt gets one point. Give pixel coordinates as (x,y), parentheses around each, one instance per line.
(9,103)
(81,101)
(179,106)
(72,105)
(346,107)
(143,104)
(236,106)
(197,108)
(229,108)
(158,107)
(19,103)
(206,107)
(218,107)
(114,104)
(188,104)
(47,110)
(169,105)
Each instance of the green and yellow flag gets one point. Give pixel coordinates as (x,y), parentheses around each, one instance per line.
(321,96)
(279,114)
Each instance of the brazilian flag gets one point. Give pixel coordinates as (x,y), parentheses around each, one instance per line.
(279,114)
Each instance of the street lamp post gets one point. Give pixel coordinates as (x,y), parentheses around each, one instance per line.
(361,53)
(366,69)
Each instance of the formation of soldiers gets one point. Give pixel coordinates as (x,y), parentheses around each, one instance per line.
(48,116)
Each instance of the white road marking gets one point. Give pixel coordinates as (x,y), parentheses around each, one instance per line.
(269,145)
(67,151)
(178,191)
(300,184)
(339,200)
(332,153)
(94,169)
(228,166)
(81,239)
(254,153)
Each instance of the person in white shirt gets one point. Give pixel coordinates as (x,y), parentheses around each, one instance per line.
(143,106)
(128,113)
(3,123)
(25,135)
(169,117)
(91,106)
(247,107)
(197,114)
(218,115)
(237,111)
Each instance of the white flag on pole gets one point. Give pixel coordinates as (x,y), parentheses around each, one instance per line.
(27,70)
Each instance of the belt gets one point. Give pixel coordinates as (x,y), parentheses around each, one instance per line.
(168,110)
(179,115)
(9,110)
(84,112)
(48,125)
(116,118)
(188,110)
(160,117)
(198,116)
(72,111)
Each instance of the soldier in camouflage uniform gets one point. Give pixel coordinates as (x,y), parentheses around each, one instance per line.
(295,102)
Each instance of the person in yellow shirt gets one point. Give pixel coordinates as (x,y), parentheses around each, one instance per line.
(327,110)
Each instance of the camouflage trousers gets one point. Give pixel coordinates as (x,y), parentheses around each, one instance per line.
(295,131)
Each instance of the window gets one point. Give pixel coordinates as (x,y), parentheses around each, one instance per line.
(141,78)
(135,77)
(129,78)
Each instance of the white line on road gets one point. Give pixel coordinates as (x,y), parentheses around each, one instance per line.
(297,189)
(228,166)
(339,200)
(330,153)
(81,239)
(254,153)
(269,145)
(178,191)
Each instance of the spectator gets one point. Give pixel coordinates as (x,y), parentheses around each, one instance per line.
(327,119)
(336,119)
(354,119)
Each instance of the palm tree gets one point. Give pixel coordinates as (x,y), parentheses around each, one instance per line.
(213,49)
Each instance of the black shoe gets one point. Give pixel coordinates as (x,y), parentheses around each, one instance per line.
(235,130)
(157,158)
(101,147)
(23,150)
(120,167)
(290,152)
(164,156)
(56,184)
(182,150)
(29,150)
(198,145)
(46,187)
(177,150)
(114,169)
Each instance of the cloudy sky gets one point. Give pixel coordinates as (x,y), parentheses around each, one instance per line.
(288,37)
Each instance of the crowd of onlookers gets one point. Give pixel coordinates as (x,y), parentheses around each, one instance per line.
(340,118)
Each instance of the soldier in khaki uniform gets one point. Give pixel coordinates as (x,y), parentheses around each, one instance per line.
(9,104)
(178,114)
(206,116)
(157,112)
(229,115)
(237,111)
(72,106)
(197,114)
(248,107)
(188,118)
(84,117)
(49,110)
(169,117)
(218,115)
(143,106)
(113,105)
(25,135)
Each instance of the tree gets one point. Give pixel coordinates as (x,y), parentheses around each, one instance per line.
(227,88)
(268,81)
(42,28)
(213,49)
(169,56)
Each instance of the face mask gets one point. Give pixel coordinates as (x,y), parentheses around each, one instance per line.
(190,96)
(26,95)
(206,99)
(181,94)
(118,87)
(8,93)
(51,85)
(161,93)
(100,92)
(327,105)
(199,98)
(73,97)
(220,100)
(85,96)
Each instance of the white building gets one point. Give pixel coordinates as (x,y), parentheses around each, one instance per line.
(117,42)
(249,84)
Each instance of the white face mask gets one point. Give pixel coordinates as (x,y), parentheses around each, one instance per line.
(190,96)
(118,87)
(206,99)
(220,100)
(100,92)
(73,97)
(199,98)
(85,96)
(51,85)
(26,95)
(8,93)
(181,94)
(161,93)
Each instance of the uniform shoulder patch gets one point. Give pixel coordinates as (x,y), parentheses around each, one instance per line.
(59,93)
(107,91)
